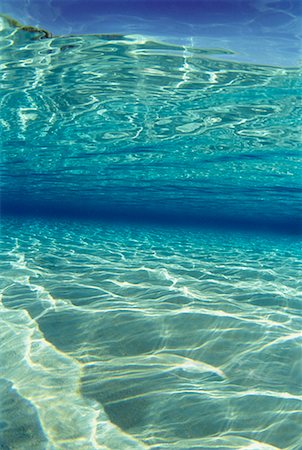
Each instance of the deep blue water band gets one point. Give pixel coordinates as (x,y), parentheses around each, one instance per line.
(222,221)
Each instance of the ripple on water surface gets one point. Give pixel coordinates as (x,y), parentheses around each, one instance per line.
(136,126)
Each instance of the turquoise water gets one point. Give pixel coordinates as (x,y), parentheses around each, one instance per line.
(127,126)
(137,337)
(150,255)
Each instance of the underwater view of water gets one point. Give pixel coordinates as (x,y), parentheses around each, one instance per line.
(150,245)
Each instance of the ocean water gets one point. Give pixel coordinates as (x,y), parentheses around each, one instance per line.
(150,246)
(118,336)
(109,124)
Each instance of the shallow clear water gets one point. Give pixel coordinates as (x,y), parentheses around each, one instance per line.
(182,339)
(150,263)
